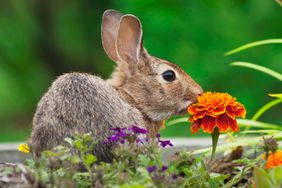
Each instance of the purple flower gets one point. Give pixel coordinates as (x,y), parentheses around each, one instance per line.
(158,136)
(164,168)
(137,130)
(174,176)
(133,134)
(151,169)
(165,143)
(113,138)
(139,140)
(119,136)
(118,129)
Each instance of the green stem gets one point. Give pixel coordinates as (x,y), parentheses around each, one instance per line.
(215,136)
(253,44)
(264,109)
(260,68)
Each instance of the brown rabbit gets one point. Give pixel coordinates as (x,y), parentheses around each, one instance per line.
(143,90)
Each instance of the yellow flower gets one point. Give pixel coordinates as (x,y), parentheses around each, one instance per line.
(24,148)
(274,159)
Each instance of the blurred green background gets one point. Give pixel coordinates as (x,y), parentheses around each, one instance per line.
(40,40)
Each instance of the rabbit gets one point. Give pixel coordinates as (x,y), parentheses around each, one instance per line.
(143,90)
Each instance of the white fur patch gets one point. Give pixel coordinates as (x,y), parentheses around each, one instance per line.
(183,106)
(160,116)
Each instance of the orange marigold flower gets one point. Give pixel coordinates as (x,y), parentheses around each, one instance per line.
(215,110)
(274,159)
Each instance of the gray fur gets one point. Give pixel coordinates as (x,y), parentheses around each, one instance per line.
(80,103)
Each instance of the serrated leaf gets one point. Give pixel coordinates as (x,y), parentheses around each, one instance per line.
(90,159)
(75,159)
(48,153)
(78,145)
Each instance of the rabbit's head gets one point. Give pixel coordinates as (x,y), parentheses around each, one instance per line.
(158,88)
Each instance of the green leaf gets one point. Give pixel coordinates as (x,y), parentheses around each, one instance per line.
(177,120)
(241,142)
(75,159)
(132,186)
(266,107)
(262,179)
(69,141)
(266,131)
(48,153)
(65,157)
(279,95)
(276,175)
(257,124)
(78,144)
(279,2)
(253,44)
(263,109)
(259,68)
(90,159)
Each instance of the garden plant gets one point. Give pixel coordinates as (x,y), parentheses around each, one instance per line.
(135,155)
(250,161)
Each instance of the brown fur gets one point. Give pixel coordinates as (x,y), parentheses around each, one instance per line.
(136,94)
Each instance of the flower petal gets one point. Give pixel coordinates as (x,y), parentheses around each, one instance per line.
(199,115)
(196,126)
(191,119)
(241,112)
(221,123)
(233,126)
(208,124)
(230,113)
(192,110)
(218,111)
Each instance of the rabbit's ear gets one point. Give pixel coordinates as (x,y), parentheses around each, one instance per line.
(129,39)
(110,26)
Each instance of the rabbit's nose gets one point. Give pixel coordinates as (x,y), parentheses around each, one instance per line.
(193,93)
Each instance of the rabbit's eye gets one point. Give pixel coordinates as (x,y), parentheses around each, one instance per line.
(168,75)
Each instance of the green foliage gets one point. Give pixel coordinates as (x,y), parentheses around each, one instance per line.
(266,128)
(259,68)
(268,178)
(73,164)
(40,40)
(253,44)
(140,164)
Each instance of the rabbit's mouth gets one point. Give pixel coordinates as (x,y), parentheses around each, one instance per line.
(182,108)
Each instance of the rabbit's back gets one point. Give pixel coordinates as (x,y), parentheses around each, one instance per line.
(80,103)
